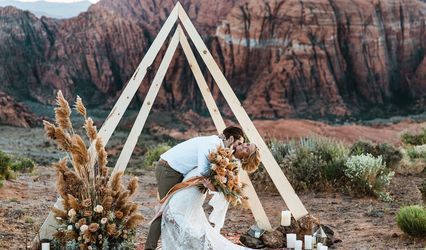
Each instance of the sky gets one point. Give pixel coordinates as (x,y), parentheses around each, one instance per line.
(58,1)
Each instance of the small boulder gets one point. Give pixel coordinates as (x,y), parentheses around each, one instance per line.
(274,239)
(251,242)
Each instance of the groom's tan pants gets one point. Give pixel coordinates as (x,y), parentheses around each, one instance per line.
(166,177)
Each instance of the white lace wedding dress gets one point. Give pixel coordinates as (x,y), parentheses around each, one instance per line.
(185,225)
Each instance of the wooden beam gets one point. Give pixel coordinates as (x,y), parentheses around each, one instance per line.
(283,185)
(137,127)
(254,202)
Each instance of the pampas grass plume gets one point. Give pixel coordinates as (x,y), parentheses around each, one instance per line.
(62,112)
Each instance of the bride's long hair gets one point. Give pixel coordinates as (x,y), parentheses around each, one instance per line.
(251,162)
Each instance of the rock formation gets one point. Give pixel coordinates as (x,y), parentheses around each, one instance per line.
(283,58)
(15,114)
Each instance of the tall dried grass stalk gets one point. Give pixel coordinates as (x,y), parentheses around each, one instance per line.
(80,108)
(62,112)
(133,185)
(133,221)
(91,131)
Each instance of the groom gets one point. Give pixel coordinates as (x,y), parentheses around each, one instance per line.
(181,159)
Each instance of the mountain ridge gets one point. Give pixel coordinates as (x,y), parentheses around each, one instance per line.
(320,58)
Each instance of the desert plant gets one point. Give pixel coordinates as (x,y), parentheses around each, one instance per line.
(412,220)
(22,164)
(280,149)
(97,209)
(414,138)
(5,162)
(153,154)
(315,162)
(417,152)
(334,154)
(361,147)
(306,169)
(368,174)
(391,155)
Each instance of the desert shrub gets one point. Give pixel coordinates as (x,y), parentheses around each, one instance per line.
(5,162)
(23,165)
(316,162)
(279,149)
(334,154)
(361,147)
(416,152)
(412,220)
(367,174)
(414,139)
(153,154)
(391,155)
(306,169)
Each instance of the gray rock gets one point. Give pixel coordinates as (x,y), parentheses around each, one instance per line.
(251,242)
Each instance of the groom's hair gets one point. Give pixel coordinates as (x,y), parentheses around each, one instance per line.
(234,131)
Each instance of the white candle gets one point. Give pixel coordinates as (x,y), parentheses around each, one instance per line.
(69,228)
(45,246)
(324,247)
(285,218)
(308,242)
(319,246)
(291,240)
(298,245)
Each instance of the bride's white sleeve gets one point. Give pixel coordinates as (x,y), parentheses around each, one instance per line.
(220,207)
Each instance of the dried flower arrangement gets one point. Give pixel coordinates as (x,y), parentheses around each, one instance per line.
(224,171)
(97,209)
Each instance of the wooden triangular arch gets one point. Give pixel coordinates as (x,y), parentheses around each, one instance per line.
(282,184)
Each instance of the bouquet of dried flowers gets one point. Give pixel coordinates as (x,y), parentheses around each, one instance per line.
(97,209)
(224,173)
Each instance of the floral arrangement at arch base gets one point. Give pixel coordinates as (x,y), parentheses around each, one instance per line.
(97,209)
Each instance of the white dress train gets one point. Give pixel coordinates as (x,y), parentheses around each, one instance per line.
(185,226)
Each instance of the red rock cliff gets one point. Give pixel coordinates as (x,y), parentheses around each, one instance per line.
(283,58)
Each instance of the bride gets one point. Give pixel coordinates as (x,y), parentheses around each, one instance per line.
(184,223)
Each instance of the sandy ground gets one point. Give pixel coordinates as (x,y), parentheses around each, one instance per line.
(361,223)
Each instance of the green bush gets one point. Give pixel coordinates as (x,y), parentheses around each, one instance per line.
(334,154)
(279,149)
(368,174)
(316,162)
(5,161)
(306,169)
(416,152)
(412,220)
(153,154)
(414,139)
(391,155)
(23,164)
